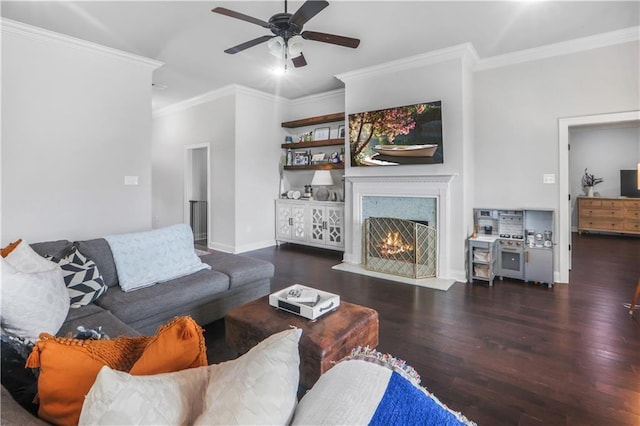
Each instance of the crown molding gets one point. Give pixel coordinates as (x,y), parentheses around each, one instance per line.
(461,51)
(318,97)
(10,26)
(229,90)
(625,35)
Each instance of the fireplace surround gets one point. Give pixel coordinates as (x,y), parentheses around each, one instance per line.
(429,186)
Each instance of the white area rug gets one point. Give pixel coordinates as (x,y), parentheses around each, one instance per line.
(434,283)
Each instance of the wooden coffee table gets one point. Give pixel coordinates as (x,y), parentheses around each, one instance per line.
(325,340)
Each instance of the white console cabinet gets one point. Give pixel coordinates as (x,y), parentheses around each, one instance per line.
(313,223)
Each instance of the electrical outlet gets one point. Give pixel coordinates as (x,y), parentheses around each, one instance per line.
(549,178)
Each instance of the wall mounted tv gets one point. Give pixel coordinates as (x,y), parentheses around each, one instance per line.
(410,134)
(629,183)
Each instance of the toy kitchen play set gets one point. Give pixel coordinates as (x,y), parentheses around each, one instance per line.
(514,244)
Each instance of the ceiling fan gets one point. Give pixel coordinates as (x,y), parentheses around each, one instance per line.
(285,26)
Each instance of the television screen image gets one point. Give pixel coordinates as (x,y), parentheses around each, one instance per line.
(410,134)
(629,184)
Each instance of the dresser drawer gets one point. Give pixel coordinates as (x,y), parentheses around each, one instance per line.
(588,203)
(632,215)
(632,226)
(632,204)
(602,224)
(602,213)
(612,204)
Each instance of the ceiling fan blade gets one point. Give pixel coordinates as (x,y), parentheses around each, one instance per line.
(331,38)
(248,44)
(307,11)
(242,16)
(299,61)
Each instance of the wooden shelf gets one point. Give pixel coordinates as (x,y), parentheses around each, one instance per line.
(320,119)
(313,144)
(328,166)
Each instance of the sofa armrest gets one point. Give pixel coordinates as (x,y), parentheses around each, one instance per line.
(14,414)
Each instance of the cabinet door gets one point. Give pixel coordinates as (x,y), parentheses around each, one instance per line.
(538,265)
(317,234)
(284,222)
(334,226)
(299,223)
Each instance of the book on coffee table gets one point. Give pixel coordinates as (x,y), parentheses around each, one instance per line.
(304,301)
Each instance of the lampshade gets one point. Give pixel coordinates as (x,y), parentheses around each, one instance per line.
(321,177)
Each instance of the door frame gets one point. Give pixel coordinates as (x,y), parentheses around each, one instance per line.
(188,171)
(564,215)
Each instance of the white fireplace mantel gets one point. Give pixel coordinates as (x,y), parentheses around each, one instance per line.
(428,186)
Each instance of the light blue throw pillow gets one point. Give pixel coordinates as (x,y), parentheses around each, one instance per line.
(146,258)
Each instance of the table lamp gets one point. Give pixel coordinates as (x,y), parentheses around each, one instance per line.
(321,178)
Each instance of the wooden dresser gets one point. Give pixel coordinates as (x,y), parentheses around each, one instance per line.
(620,215)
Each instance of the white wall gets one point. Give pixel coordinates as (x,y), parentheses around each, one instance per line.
(76,120)
(517,111)
(242,127)
(212,122)
(257,145)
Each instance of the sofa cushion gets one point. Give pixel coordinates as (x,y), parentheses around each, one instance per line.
(146,258)
(32,303)
(93,317)
(98,250)
(68,367)
(169,296)
(240,269)
(52,248)
(81,276)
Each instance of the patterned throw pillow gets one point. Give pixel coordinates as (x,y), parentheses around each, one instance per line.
(82,278)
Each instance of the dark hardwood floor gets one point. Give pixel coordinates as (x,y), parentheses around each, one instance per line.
(511,354)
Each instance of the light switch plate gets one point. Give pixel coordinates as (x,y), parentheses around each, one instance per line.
(549,178)
(131,180)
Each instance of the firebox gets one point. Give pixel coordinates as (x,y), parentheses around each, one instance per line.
(406,248)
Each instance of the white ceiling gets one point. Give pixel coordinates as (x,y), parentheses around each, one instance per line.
(190,39)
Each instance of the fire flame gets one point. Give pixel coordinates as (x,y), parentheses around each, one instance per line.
(393,245)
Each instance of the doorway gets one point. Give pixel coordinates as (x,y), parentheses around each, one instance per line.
(197,177)
(564,226)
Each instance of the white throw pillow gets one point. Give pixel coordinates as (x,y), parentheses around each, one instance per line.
(33,303)
(118,398)
(24,259)
(260,387)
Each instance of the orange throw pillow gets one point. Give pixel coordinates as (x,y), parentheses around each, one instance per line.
(69,367)
(9,248)
(176,346)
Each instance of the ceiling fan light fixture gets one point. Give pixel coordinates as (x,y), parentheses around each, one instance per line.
(276,46)
(295,47)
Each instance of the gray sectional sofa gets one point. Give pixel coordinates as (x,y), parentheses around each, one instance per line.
(205,295)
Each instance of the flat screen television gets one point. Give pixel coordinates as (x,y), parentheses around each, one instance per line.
(410,134)
(629,183)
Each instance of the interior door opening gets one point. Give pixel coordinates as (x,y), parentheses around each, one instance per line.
(196,195)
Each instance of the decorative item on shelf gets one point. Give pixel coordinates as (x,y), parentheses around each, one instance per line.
(341,132)
(318,158)
(589,181)
(288,139)
(321,133)
(322,178)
